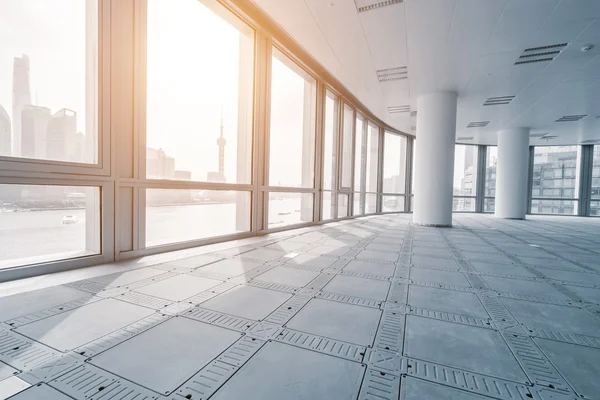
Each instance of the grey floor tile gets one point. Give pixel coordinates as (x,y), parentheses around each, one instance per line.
(346,322)
(358,287)
(446,300)
(471,348)
(280,371)
(179,287)
(247,302)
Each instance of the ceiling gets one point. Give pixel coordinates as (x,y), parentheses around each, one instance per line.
(389,52)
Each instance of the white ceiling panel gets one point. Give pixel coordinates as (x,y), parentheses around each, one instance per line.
(469,46)
(520,21)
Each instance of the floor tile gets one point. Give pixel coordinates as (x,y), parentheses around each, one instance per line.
(247,302)
(82,325)
(448,344)
(179,287)
(358,287)
(165,356)
(346,322)
(446,300)
(288,276)
(280,371)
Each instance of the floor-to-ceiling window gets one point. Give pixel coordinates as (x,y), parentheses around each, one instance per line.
(291,163)
(52,147)
(372,162)
(394,172)
(199,123)
(360,154)
(491,163)
(595,193)
(555,180)
(330,159)
(465,178)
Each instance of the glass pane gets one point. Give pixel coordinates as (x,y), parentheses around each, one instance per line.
(329,145)
(347,147)
(465,170)
(489,205)
(595,208)
(370,203)
(289,208)
(567,207)
(292,146)
(199,113)
(49,80)
(47,223)
(555,174)
(372,158)
(359,154)
(328,206)
(394,163)
(357,210)
(412,185)
(491,161)
(596,173)
(393,203)
(180,215)
(463,204)
(343,205)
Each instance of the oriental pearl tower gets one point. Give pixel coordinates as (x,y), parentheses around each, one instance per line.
(221,142)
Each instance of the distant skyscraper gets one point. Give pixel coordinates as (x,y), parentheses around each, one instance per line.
(21,97)
(34,131)
(5,141)
(62,136)
(159,165)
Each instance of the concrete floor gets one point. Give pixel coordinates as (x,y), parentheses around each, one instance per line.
(374,308)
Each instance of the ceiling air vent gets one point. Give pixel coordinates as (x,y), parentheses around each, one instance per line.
(571,118)
(538,135)
(590,141)
(379,5)
(497,101)
(392,74)
(398,109)
(479,124)
(413,128)
(414,114)
(465,138)
(540,54)
(549,137)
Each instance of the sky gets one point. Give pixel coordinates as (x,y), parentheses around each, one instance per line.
(193,74)
(52,34)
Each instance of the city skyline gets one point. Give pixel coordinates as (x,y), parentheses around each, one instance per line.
(34,131)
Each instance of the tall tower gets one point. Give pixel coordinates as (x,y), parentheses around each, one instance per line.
(5,149)
(21,97)
(221,142)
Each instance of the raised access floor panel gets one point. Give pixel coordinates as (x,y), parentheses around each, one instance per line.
(374,308)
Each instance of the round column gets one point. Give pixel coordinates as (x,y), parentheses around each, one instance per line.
(434,159)
(512,172)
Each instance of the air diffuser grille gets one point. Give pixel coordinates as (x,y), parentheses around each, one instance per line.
(496,101)
(571,118)
(399,109)
(465,138)
(478,124)
(392,74)
(540,54)
(379,5)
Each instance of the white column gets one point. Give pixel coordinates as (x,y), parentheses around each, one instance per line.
(434,159)
(512,172)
